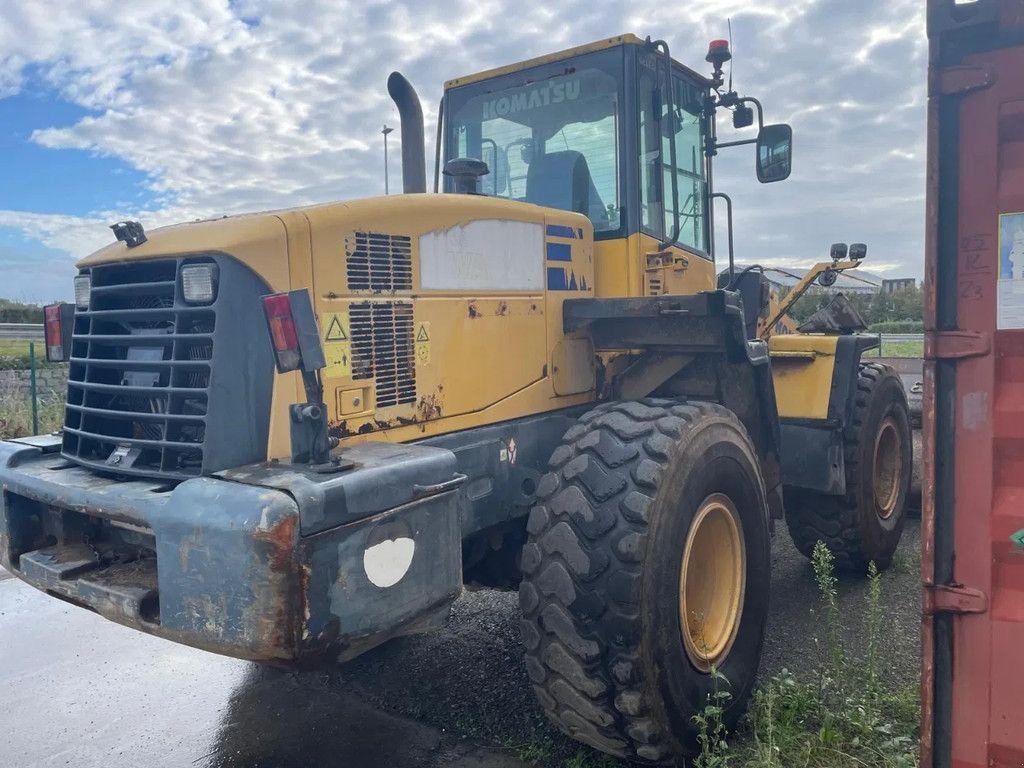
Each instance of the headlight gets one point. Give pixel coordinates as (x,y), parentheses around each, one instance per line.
(199,283)
(83,286)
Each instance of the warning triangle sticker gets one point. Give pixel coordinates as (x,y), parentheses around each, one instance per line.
(421,335)
(334,331)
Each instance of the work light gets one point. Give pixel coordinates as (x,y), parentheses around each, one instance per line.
(199,283)
(83,286)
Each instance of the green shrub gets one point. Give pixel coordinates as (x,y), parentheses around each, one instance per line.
(19,312)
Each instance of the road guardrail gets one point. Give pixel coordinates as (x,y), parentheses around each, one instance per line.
(27,331)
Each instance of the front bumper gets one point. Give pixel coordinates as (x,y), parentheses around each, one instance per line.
(271,563)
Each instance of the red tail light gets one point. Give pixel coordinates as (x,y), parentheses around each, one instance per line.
(285,338)
(58,320)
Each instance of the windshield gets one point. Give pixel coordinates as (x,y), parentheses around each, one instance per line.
(553,141)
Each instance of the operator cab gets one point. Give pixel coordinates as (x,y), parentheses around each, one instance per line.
(589,132)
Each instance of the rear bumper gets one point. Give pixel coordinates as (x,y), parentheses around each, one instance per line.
(222,564)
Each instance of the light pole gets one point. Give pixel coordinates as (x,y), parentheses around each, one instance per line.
(385,130)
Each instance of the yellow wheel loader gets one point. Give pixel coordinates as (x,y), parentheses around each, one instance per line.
(293,435)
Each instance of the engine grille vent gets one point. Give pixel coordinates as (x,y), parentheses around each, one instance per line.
(383,349)
(138,384)
(654,286)
(378,262)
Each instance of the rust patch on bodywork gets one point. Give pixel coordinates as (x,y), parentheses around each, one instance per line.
(339,429)
(474,311)
(429,407)
(502,308)
(282,617)
(281,541)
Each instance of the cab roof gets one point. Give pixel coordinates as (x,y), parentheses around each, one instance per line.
(568,53)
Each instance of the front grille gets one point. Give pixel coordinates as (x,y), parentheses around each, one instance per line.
(383,350)
(377,262)
(139,379)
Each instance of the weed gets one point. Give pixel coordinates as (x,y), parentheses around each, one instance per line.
(16,415)
(711,733)
(846,718)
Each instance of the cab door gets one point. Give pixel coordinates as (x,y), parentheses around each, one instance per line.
(973,514)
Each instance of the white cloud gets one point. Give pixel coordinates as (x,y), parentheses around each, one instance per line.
(234,106)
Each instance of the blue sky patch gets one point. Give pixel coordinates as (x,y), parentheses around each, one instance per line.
(69,181)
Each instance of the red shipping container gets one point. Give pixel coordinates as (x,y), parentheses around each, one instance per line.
(972,711)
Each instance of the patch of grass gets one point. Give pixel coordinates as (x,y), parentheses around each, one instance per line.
(591,760)
(531,753)
(14,354)
(842,717)
(900,349)
(16,348)
(16,415)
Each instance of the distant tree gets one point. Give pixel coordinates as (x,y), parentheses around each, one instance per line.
(18,312)
(902,305)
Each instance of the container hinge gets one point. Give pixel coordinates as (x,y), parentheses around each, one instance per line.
(947,345)
(965,79)
(953,598)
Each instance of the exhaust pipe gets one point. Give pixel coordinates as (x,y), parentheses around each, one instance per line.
(414,163)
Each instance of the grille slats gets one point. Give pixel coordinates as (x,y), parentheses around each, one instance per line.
(142,416)
(94,386)
(377,262)
(139,365)
(131,440)
(162,286)
(139,373)
(383,350)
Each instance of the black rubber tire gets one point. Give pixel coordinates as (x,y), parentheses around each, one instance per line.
(849,525)
(601,574)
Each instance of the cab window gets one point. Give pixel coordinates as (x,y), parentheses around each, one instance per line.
(658,130)
(553,141)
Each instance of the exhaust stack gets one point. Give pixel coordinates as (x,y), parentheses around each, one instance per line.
(414,168)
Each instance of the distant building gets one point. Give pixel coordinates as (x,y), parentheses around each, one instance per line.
(899,284)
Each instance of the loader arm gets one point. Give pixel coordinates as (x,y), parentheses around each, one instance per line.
(821,268)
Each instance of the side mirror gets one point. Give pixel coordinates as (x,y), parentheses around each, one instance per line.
(774,153)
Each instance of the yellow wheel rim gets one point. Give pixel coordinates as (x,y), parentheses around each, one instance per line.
(888,468)
(711,582)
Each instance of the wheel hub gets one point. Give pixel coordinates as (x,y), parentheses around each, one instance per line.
(887,472)
(711,583)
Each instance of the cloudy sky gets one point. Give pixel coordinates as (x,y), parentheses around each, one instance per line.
(169,110)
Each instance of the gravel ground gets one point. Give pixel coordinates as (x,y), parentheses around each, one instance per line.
(468,679)
(454,698)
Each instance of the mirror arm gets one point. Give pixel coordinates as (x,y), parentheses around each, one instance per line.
(760,110)
(724,144)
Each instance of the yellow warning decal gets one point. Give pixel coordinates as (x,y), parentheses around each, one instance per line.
(336,324)
(423,344)
(337,348)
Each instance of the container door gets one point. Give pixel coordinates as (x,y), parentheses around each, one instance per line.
(973,515)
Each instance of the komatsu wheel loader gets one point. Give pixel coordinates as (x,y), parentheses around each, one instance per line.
(293,435)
